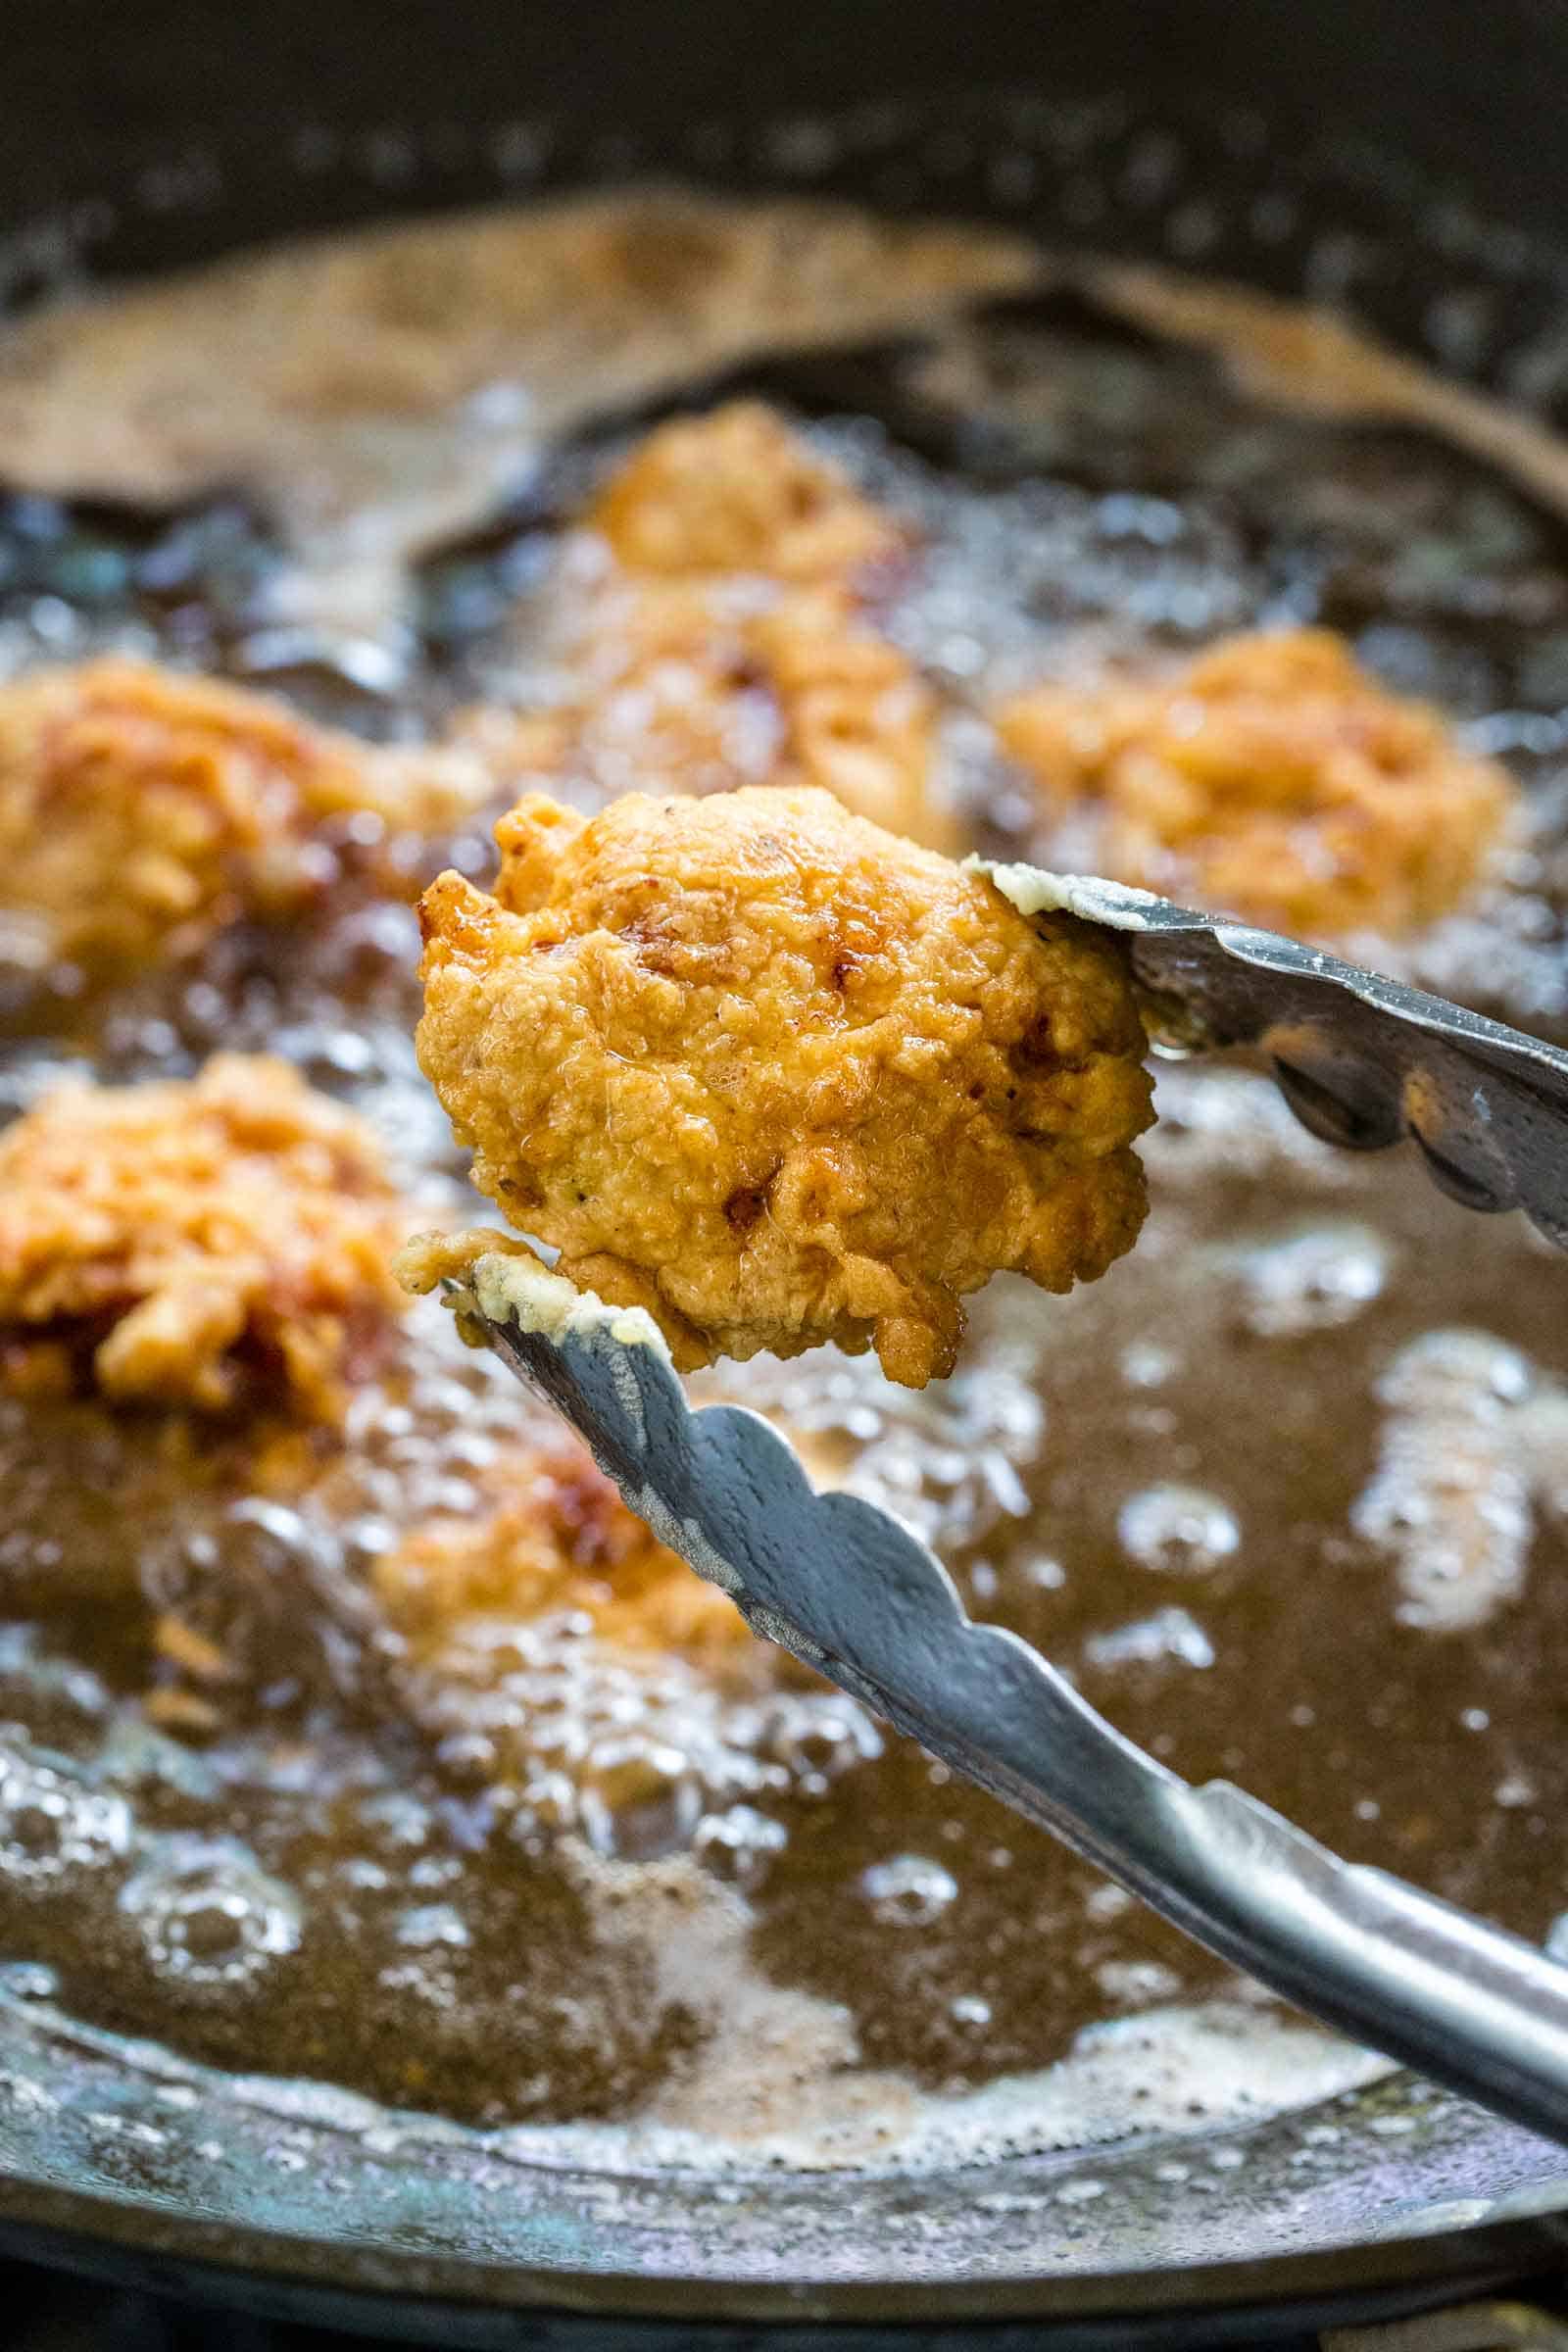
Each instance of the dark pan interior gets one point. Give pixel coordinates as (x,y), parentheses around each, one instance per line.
(136,139)
(93,98)
(87,87)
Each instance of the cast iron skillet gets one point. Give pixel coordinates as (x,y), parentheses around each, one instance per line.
(1406,138)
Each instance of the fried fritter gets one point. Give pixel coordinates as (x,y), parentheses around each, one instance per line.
(141,810)
(736,491)
(210,1243)
(857,717)
(1272,779)
(780,1077)
(721,632)
(553,1536)
(692,703)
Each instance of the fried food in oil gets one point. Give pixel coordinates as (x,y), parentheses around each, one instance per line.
(553,1536)
(354,375)
(722,638)
(736,491)
(141,810)
(691,704)
(779,1077)
(1272,779)
(207,1242)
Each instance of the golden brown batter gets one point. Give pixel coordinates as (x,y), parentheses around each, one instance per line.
(553,1536)
(197,1243)
(1272,779)
(141,810)
(779,1077)
(722,637)
(736,491)
(378,1868)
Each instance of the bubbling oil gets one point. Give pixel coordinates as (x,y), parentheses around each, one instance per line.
(1287,1494)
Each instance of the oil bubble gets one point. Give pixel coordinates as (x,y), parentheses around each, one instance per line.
(907,1891)
(430,1926)
(1177,1530)
(1168,1636)
(817,1740)
(51,1828)
(739,1844)
(1314,1280)
(209,1918)
(638,1797)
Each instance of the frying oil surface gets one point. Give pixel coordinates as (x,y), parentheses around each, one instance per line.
(1287,1492)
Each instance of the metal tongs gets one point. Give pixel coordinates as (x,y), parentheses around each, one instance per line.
(1362,1062)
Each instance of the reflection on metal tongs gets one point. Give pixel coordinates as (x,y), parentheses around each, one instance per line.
(840,1584)
(1362,1060)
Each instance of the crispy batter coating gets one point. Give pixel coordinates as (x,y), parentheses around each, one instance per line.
(211,1243)
(723,638)
(554,1536)
(781,1078)
(686,699)
(1273,778)
(737,491)
(857,717)
(141,810)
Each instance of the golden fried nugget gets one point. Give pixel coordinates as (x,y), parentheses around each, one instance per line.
(856,716)
(723,639)
(780,1077)
(1273,778)
(554,1536)
(141,810)
(736,491)
(207,1242)
(688,699)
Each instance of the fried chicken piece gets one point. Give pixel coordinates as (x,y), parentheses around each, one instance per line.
(553,1536)
(857,717)
(209,1243)
(780,1077)
(1273,778)
(721,636)
(141,811)
(689,702)
(736,491)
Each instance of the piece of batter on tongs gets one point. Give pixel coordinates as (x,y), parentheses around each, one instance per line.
(765,1075)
